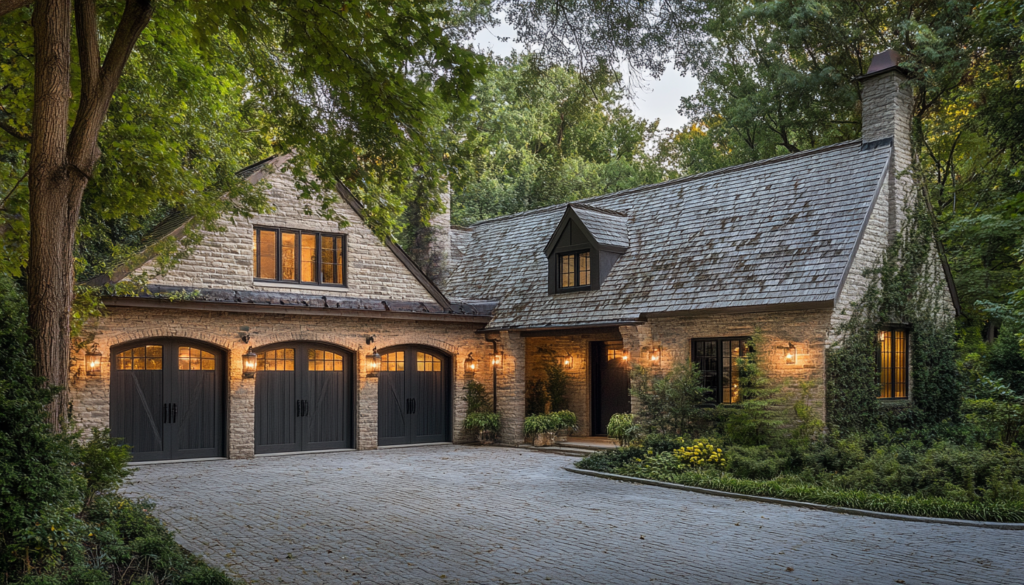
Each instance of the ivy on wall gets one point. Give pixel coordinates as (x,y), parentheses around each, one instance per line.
(907,286)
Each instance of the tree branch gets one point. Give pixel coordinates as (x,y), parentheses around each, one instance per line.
(88,44)
(14,132)
(8,6)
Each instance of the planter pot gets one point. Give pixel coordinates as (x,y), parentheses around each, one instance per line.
(543,440)
(562,436)
(485,437)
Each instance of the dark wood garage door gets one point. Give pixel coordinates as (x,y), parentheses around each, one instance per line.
(167,399)
(413,397)
(303,398)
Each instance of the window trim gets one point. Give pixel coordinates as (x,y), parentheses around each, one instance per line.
(744,341)
(889,328)
(577,250)
(318,269)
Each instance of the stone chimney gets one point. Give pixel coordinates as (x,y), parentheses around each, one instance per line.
(887,110)
(441,239)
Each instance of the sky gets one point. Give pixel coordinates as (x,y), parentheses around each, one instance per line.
(658,98)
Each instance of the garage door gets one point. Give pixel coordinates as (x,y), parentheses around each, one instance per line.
(303,398)
(167,399)
(413,397)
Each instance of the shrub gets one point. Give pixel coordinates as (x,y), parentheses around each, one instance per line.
(661,443)
(564,420)
(668,405)
(477,398)
(609,461)
(104,462)
(536,398)
(557,385)
(756,421)
(482,421)
(536,424)
(623,429)
(758,462)
(700,454)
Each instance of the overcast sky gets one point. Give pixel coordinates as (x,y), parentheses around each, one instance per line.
(659,98)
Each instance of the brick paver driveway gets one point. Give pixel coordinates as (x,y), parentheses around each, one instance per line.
(456,514)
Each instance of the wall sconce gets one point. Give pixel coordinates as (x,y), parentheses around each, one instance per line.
(567,361)
(470,364)
(655,355)
(496,360)
(625,355)
(92,361)
(373,363)
(881,337)
(791,354)
(249,364)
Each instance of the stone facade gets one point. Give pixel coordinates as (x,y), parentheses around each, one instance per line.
(541,350)
(91,394)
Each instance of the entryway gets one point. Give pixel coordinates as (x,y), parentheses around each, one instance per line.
(167,399)
(303,398)
(609,383)
(413,396)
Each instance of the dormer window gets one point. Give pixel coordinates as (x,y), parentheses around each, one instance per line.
(574,271)
(294,256)
(584,248)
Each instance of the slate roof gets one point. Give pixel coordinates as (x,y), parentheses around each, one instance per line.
(609,227)
(777,231)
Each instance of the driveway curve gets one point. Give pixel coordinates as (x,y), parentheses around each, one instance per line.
(460,514)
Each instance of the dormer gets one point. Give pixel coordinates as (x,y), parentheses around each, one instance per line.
(584,247)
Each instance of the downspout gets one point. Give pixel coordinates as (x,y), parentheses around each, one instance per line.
(494,374)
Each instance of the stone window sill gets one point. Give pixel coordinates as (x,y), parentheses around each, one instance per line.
(297,286)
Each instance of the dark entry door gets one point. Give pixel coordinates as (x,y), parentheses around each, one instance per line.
(610,383)
(303,398)
(413,397)
(167,399)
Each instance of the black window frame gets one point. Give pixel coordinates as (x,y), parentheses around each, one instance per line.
(317,270)
(744,349)
(893,365)
(577,252)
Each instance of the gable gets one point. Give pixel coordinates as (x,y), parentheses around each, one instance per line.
(225,259)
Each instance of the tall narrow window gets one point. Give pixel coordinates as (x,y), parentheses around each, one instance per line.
(718,361)
(308,257)
(331,259)
(298,257)
(288,256)
(266,254)
(574,270)
(893,373)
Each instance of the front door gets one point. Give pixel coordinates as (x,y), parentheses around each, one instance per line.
(167,399)
(413,398)
(303,398)
(610,383)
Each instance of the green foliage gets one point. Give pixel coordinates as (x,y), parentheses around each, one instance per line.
(478,399)
(668,405)
(104,462)
(557,385)
(756,421)
(536,397)
(564,420)
(482,421)
(536,424)
(1005,359)
(622,427)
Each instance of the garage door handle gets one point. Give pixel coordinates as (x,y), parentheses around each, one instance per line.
(413,406)
(174,412)
(305,408)
(165,414)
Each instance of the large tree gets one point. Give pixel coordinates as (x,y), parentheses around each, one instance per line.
(355,89)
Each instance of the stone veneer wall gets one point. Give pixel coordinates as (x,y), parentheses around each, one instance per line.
(807,330)
(539,350)
(224,259)
(91,395)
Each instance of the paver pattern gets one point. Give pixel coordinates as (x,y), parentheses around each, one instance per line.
(460,514)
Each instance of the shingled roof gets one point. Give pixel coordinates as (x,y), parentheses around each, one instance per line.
(773,232)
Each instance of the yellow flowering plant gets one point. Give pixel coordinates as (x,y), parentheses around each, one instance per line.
(700,454)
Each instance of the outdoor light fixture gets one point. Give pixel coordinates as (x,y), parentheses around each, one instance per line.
(92,361)
(791,354)
(373,363)
(470,364)
(567,361)
(881,337)
(249,364)
(625,355)
(655,354)
(496,360)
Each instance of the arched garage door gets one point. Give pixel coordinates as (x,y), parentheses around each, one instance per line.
(167,399)
(303,398)
(413,397)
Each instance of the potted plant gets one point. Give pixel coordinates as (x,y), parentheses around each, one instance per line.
(541,428)
(564,422)
(484,424)
(623,429)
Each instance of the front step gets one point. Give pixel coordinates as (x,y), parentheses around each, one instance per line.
(561,450)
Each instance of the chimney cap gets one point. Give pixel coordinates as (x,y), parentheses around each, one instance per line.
(883,63)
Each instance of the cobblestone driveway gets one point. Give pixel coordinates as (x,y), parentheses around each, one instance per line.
(456,514)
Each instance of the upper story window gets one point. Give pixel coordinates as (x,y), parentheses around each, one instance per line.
(718,361)
(574,270)
(284,255)
(893,373)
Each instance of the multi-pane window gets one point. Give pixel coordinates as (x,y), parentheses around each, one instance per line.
(616,354)
(325,361)
(276,360)
(893,373)
(427,363)
(574,270)
(146,357)
(301,257)
(192,358)
(393,362)
(718,362)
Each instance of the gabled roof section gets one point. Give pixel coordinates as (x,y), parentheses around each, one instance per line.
(605,228)
(772,233)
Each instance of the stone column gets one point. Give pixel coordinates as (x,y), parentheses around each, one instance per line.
(512,388)
(366,404)
(241,406)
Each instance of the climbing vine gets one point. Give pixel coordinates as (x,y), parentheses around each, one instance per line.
(906,286)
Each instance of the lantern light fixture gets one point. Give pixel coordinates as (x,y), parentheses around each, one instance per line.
(567,361)
(249,364)
(625,356)
(373,363)
(881,337)
(655,355)
(496,360)
(470,364)
(93,357)
(791,354)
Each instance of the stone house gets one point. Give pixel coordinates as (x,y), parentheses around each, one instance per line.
(295,335)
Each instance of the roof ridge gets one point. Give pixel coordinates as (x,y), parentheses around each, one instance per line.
(589,207)
(742,166)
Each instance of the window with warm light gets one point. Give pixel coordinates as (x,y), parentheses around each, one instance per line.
(427,363)
(718,362)
(146,357)
(893,371)
(574,270)
(192,358)
(277,360)
(325,361)
(304,258)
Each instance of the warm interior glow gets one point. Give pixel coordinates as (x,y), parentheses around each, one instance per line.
(249,364)
(470,364)
(496,359)
(655,355)
(92,362)
(625,355)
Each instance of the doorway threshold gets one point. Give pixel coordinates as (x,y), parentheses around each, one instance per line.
(416,445)
(303,452)
(163,461)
